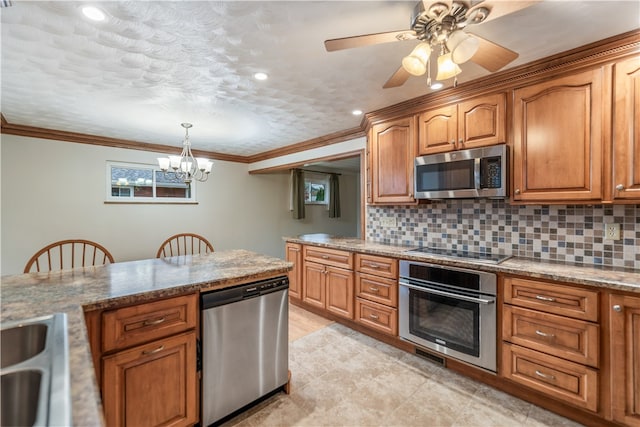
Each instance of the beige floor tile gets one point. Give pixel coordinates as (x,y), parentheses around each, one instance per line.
(343,378)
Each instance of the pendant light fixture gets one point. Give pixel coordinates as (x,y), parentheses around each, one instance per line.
(185,166)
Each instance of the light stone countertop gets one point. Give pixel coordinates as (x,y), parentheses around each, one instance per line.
(615,278)
(31,295)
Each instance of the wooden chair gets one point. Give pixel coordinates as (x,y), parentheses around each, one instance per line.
(67,254)
(184,244)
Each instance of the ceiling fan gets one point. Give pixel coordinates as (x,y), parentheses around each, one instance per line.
(440,27)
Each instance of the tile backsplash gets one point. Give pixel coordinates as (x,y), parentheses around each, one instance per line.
(572,233)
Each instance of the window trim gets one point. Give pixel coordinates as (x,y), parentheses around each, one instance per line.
(109,199)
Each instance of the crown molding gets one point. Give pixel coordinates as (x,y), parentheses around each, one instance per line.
(332,138)
(83,138)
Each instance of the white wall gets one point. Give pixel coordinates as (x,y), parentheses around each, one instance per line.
(53,190)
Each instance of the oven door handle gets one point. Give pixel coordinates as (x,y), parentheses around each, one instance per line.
(448,294)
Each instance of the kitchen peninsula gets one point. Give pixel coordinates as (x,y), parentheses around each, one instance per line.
(93,289)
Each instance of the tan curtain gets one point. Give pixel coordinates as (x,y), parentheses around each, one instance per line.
(298,194)
(334,196)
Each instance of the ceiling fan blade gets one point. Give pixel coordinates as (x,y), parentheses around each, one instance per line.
(492,56)
(368,39)
(398,79)
(502,8)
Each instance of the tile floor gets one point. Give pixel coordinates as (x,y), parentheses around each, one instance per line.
(343,378)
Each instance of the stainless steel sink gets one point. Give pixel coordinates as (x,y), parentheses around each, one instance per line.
(21,342)
(23,387)
(34,372)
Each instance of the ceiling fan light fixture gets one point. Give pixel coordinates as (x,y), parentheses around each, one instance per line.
(462,46)
(416,62)
(446,67)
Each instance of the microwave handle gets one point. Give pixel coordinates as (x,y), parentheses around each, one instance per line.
(476,172)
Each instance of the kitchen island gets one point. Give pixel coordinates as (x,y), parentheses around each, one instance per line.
(95,288)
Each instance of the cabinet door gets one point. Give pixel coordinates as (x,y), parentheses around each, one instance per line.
(294,255)
(626,130)
(152,384)
(558,139)
(313,289)
(481,121)
(393,155)
(625,359)
(438,130)
(339,284)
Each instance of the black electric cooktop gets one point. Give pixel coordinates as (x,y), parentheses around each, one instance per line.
(462,254)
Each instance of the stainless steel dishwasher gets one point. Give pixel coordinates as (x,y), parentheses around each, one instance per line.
(245,351)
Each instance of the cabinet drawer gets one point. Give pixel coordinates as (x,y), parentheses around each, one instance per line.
(127,326)
(558,378)
(377,316)
(571,339)
(337,258)
(380,266)
(552,298)
(377,289)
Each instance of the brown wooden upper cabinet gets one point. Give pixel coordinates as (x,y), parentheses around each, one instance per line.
(477,122)
(626,130)
(392,154)
(558,139)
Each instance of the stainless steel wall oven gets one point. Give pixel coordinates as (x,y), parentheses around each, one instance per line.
(450,310)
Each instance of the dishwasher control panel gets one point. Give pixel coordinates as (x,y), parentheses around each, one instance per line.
(246,291)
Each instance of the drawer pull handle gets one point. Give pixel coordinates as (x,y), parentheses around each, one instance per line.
(373,289)
(154,322)
(544,334)
(545,376)
(543,298)
(325,256)
(147,352)
(373,265)
(373,316)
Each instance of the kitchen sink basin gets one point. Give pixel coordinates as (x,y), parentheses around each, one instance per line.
(34,372)
(20,397)
(21,342)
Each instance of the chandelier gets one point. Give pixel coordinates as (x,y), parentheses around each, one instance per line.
(185,166)
(440,29)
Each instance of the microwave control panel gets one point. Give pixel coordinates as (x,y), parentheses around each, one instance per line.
(491,173)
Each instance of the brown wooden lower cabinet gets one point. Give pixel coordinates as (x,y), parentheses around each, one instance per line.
(152,384)
(377,316)
(566,381)
(329,288)
(625,359)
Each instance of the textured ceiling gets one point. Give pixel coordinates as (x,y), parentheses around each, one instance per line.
(154,64)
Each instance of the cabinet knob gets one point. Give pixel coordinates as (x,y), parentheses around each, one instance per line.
(517,191)
(620,187)
(460,141)
(453,141)
(617,308)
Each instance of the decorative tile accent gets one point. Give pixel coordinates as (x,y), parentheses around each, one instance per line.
(548,232)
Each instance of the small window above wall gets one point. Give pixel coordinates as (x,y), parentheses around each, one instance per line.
(142,183)
(316,190)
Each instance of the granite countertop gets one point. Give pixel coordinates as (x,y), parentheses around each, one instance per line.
(622,279)
(74,291)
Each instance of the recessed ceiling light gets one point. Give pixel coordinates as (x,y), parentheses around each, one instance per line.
(436,86)
(357,112)
(93,13)
(260,76)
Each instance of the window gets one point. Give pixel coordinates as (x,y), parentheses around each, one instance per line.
(140,183)
(316,190)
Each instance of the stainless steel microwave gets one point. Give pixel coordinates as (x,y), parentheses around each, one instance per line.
(473,173)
